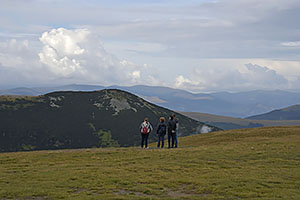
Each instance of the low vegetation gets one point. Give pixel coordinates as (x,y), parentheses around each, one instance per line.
(261,163)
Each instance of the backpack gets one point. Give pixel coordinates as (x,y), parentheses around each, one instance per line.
(144,128)
(163,129)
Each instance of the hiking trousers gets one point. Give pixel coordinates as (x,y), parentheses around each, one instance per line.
(144,140)
(161,138)
(176,138)
(171,136)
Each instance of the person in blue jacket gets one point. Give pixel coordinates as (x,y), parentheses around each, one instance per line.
(161,132)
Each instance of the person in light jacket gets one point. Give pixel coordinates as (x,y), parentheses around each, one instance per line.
(145,129)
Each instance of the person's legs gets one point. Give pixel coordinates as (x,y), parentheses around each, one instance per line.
(143,139)
(158,142)
(146,140)
(173,139)
(169,138)
(176,141)
(162,140)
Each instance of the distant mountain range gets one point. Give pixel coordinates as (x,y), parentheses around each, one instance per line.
(62,120)
(239,104)
(289,113)
(284,117)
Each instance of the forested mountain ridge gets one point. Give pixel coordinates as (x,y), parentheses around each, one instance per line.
(62,120)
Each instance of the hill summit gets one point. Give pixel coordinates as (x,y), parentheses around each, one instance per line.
(288,113)
(62,120)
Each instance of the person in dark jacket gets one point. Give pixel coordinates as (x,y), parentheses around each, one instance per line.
(161,132)
(145,129)
(176,131)
(171,131)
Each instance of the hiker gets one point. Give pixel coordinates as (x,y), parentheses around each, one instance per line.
(171,131)
(176,130)
(145,129)
(161,132)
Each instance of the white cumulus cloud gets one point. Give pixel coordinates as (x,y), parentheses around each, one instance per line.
(186,83)
(79,54)
(63,56)
(219,79)
(61,48)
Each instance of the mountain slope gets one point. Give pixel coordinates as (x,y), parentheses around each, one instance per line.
(289,113)
(80,119)
(228,123)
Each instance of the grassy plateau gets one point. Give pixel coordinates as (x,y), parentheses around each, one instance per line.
(260,163)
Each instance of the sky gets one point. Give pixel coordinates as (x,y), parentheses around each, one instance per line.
(195,45)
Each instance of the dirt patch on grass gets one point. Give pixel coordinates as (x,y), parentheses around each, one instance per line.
(183,193)
(168,193)
(134,193)
(78,190)
(31,198)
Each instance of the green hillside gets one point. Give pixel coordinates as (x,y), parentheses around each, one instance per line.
(63,120)
(261,163)
(288,113)
(228,123)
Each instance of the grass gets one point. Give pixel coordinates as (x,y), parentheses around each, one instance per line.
(11,102)
(260,163)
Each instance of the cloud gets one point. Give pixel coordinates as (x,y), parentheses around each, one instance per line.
(19,64)
(291,44)
(69,56)
(215,29)
(295,84)
(264,75)
(61,50)
(186,83)
(218,79)
(80,54)
(136,47)
(199,29)
(170,36)
(13,51)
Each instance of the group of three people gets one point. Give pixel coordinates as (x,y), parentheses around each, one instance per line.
(162,129)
